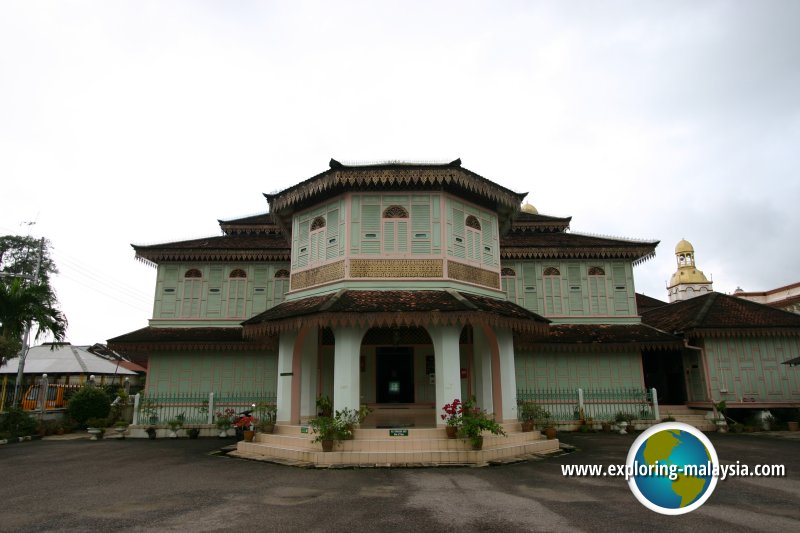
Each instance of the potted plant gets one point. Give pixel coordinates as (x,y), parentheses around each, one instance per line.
(193,433)
(151,433)
(623,420)
(120,426)
(529,413)
(453,413)
(324,406)
(329,430)
(246,424)
(474,421)
(266,414)
(149,411)
(720,409)
(96,427)
(606,425)
(223,420)
(351,418)
(174,426)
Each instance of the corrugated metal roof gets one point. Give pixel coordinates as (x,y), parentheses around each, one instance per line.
(64,359)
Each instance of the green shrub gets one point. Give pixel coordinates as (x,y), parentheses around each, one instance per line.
(17,423)
(100,423)
(89,402)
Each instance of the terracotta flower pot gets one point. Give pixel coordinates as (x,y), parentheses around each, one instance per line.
(527,426)
(794,426)
(477,443)
(248,435)
(327,445)
(550,433)
(452,431)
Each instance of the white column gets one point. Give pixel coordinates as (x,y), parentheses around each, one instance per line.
(284,390)
(346,367)
(508,378)
(448,365)
(483,370)
(308,375)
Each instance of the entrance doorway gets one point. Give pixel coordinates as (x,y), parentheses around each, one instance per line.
(664,371)
(394,375)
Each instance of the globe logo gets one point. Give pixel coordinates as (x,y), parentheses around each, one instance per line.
(672,468)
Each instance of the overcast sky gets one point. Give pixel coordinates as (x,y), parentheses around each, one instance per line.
(145,122)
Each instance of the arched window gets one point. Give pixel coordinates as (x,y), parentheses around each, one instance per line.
(473,222)
(507,272)
(553,303)
(508,283)
(280,285)
(395,211)
(192,287)
(472,227)
(318,223)
(237,287)
(598,303)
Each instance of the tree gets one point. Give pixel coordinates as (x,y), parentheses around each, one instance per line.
(23,302)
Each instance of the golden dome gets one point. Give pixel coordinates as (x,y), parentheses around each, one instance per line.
(687,275)
(684,247)
(528,208)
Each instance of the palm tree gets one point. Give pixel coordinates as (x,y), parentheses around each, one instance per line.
(24,304)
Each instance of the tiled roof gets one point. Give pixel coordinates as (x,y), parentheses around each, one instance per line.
(151,338)
(245,246)
(262,223)
(604,335)
(536,222)
(393,307)
(716,311)
(537,245)
(645,303)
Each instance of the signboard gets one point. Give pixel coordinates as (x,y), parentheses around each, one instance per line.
(398,433)
(303,429)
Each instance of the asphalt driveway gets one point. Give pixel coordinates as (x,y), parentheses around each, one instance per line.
(142,485)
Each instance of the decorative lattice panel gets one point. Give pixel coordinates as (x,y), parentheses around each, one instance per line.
(396,268)
(317,276)
(472,274)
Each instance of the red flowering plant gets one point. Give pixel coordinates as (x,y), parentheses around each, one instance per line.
(453,413)
(224,419)
(246,422)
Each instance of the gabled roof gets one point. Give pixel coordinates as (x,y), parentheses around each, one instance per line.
(600,337)
(645,303)
(537,245)
(392,308)
(199,338)
(261,223)
(451,177)
(716,314)
(537,222)
(64,358)
(236,247)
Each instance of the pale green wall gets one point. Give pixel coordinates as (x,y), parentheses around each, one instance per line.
(751,367)
(579,370)
(210,371)
(420,234)
(214,295)
(575,293)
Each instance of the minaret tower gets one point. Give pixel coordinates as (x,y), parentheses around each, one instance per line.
(687,282)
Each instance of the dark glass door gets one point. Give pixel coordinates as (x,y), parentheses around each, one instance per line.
(394,379)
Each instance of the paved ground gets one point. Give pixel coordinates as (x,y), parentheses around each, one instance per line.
(141,485)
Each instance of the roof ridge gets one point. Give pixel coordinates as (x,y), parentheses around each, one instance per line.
(701,315)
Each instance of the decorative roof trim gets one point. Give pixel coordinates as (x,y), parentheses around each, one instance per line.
(523,345)
(695,333)
(264,343)
(639,255)
(391,319)
(155,256)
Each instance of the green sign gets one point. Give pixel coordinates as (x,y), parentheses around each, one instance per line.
(398,433)
(303,429)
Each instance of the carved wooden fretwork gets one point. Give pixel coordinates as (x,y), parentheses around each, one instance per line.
(473,222)
(596,271)
(282,273)
(396,268)
(318,223)
(238,273)
(551,271)
(507,272)
(472,274)
(193,273)
(317,276)
(395,211)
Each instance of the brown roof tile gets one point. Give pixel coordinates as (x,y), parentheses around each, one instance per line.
(645,303)
(244,246)
(716,311)
(599,335)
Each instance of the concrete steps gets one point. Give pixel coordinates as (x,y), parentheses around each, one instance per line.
(694,417)
(376,447)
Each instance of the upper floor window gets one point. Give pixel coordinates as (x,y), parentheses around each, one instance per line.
(280,285)
(317,241)
(191,297)
(473,235)
(237,285)
(395,211)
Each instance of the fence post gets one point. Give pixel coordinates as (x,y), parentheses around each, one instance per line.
(580,404)
(210,408)
(655,404)
(136,400)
